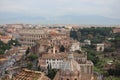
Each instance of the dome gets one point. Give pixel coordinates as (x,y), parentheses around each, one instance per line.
(70,66)
(70,69)
(75,73)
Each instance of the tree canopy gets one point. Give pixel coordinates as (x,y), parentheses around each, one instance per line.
(96,35)
(7,46)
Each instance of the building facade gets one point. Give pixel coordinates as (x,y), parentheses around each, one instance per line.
(71,70)
(100,47)
(29,36)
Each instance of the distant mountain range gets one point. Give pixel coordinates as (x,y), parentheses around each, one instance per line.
(65,19)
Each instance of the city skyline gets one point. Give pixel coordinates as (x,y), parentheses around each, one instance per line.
(60,11)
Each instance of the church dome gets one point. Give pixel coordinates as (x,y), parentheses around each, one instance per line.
(70,64)
(70,67)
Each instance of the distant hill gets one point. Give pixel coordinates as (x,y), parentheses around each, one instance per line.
(65,19)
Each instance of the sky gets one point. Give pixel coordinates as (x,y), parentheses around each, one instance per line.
(60,11)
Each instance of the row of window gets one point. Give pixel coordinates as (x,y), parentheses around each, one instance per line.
(67,79)
(54,62)
(54,59)
(33,36)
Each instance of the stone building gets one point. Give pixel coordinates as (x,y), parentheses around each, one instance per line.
(72,63)
(75,46)
(116,30)
(5,39)
(29,36)
(53,60)
(87,42)
(46,45)
(53,51)
(71,70)
(85,65)
(100,47)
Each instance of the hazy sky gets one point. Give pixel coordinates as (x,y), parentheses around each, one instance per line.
(55,8)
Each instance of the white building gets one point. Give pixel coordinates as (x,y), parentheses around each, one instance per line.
(54,61)
(87,42)
(100,47)
(75,46)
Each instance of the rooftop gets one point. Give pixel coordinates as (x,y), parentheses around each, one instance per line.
(54,56)
(26,74)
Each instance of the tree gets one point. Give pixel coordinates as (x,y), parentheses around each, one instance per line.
(1,51)
(78,35)
(27,51)
(115,71)
(92,56)
(99,34)
(73,34)
(32,57)
(62,48)
(29,65)
(39,68)
(3,47)
(52,73)
(116,41)
(109,49)
(13,42)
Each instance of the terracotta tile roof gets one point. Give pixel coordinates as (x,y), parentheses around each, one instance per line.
(78,55)
(54,56)
(30,75)
(2,60)
(5,37)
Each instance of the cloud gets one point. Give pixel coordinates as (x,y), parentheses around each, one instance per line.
(49,8)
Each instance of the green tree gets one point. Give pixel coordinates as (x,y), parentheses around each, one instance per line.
(32,57)
(99,34)
(29,65)
(92,56)
(27,51)
(52,73)
(73,34)
(62,48)
(3,47)
(13,42)
(39,68)
(115,71)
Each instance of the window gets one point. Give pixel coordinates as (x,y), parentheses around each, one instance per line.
(53,59)
(55,51)
(61,78)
